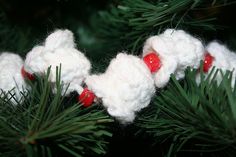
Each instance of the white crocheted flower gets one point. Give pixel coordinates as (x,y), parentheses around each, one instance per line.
(177,50)
(59,48)
(10,75)
(125,88)
(224,59)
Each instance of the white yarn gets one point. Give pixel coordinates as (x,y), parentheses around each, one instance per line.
(59,48)
(60,39)
(125,88)
(224,59)
(11,79)
(177,50)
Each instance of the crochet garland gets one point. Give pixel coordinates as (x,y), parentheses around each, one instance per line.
(129,82)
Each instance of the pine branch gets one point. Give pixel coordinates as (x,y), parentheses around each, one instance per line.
(47,124)
(198,118)
(127,25)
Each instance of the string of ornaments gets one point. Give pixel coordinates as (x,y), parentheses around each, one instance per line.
(129,82)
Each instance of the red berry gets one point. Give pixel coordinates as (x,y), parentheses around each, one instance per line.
(208,59)
(27,75)
(86,97)
(152,61)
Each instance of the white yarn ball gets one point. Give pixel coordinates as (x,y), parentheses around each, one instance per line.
(60,39)
(11,79)
(59,49)
(224,59)
(35,62)
(125,88)
(177,50)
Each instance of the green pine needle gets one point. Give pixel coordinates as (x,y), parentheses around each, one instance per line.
(45,122)
(130,22)
(196,117)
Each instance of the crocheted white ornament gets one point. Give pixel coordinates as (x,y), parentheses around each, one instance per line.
(223,59)
(177,50)
(125,88)
(59,48)
(11,79)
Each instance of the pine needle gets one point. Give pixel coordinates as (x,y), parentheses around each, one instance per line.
(201,115)
(44,121)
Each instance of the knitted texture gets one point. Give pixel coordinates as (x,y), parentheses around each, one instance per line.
(224,59)
(125,88)
(11,79)
(59,48)
(177,50)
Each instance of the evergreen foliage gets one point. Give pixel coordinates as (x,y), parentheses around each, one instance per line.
(130,22)
(47,124)
(197,118)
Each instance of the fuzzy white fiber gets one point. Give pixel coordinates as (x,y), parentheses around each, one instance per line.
(224,59)
(125,88)
(11,79)
(59,48)
(177,50)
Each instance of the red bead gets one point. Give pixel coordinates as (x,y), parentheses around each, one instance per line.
(86,97)
(208,60)
(152,61)
(27,75)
